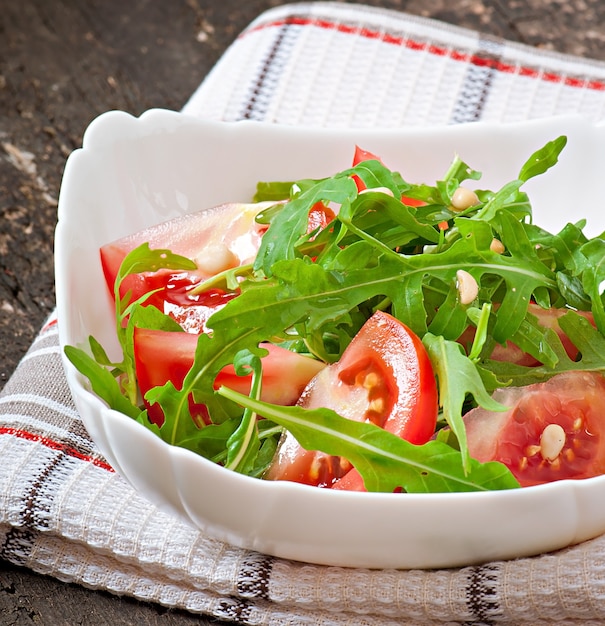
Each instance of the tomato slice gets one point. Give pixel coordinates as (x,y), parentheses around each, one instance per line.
(228,231)
(385,377)
(548,318)
(365,155)
(553,430)
(162,356)
(359,156)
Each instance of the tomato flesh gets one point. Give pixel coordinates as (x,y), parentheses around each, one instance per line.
(573,401)
(162,356)
(231,226)
(385,377)
(319,216)
(548,318)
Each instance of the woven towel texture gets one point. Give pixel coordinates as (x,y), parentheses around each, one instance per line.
(322,64)
(66,513)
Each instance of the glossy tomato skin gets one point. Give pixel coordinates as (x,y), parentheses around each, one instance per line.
(361,155)
(384,376)
(231,226)
(162,356)
(573,401)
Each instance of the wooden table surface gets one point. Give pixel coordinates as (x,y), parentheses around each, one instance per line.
(63,62)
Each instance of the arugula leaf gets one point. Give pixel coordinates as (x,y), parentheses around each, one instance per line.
(457,376)
(301,292)
(103,383)
(384,221)
(385,461)
(543,159)
(276,191)
(480,318)
(593,278)
(243,445)
(589,341)
(374,175)
(211,440)
(290,224)
(145,259)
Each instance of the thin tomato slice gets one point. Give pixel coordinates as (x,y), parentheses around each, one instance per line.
(385,377)
(361,155)
(548,318)
(553,430)
(228,230)
(162,356)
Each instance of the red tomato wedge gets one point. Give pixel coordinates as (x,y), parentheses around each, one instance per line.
(385,377)
(548,318)
(553,430)
(162,356)
(218,238)
(361,155)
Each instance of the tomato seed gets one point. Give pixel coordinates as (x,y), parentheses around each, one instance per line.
(376,405)
(577,424)
(371,380)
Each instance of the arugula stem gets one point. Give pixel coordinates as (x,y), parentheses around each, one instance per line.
(226,278)
(372,240)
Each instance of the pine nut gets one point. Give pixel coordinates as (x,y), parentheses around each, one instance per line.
(552,441)
(215,259)
(468,289)
(497,246)
(464,198)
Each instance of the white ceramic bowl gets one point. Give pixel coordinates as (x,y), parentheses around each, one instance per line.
(133,172)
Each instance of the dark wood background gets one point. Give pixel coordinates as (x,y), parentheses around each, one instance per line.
(63,62)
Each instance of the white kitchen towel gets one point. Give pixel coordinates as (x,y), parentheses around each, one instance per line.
(64,511)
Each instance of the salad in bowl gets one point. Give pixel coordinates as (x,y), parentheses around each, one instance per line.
(374,340)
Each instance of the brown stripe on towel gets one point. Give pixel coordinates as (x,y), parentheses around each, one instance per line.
(477,82)
(254,575)
(481,597)
(263,87)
